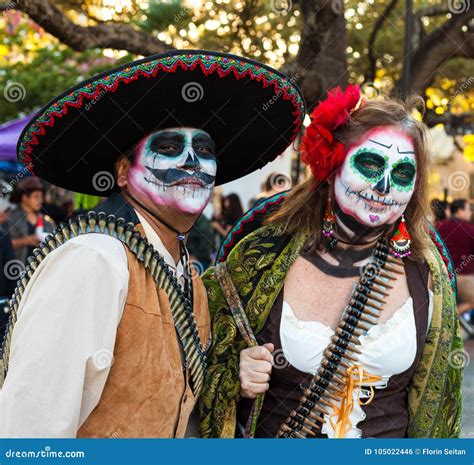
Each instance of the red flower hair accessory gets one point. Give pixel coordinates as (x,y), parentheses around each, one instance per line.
(319,150)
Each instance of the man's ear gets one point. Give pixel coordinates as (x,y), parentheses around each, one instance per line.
(122,165)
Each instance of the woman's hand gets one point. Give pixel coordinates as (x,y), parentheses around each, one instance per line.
(255,369)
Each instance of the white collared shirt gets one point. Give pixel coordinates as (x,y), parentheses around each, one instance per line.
(63,343)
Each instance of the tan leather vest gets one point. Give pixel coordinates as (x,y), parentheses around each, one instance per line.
(147,395)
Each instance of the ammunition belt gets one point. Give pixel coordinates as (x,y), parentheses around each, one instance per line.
(181,307)
(359,315)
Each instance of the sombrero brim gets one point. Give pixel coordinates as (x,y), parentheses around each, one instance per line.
(251,111)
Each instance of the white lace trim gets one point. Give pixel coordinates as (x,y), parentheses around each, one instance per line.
(303,343)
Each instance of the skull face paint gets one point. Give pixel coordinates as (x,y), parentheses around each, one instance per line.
(377,178)
(176,168)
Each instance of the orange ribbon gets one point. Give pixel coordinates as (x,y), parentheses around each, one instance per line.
(356,376)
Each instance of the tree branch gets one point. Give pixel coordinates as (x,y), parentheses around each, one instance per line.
(80,38)
(373,36)
(436,10)
(440,45)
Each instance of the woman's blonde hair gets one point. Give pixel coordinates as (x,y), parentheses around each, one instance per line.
(304,207)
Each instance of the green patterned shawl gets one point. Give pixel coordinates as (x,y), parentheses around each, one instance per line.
(258,266)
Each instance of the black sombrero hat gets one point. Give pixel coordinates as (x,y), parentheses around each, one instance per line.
(252,111)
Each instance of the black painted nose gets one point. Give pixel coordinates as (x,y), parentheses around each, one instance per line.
(383,186)
(192,163)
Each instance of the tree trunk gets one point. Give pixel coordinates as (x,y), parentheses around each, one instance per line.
(321,60)
(443,43)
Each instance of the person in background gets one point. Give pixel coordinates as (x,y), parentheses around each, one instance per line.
(440,211)
(8,276)
(26,224)
(3,216)
(231,211)
(54,205)
(200,244)
(458,234)
(273,184)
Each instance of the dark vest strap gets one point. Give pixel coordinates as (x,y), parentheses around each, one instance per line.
(118,206)
(417,274)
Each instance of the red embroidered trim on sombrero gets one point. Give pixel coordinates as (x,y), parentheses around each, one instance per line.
(110,83)
(262,207)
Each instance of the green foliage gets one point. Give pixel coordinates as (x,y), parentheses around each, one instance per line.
(160,14)
(53,70)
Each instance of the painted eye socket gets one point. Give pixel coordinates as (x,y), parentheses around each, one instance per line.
(204,151)
(370,164)
(166,148)
(403,174)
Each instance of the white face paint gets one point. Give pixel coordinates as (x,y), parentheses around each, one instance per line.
(377,178)
(176,168)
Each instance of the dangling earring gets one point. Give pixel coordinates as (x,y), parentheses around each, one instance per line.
(328,225)
(401,240)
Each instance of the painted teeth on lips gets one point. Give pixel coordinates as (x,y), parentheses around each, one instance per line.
(377,201)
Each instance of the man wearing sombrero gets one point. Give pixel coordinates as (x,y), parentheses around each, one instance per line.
(108,327)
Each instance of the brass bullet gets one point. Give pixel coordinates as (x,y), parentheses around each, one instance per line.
(328,364)
(347,335)
(66,232)
(120,228)
(73,227)
(111,225)
(394,269)
(383,282)
(82,222)
(102,221)
(92,221)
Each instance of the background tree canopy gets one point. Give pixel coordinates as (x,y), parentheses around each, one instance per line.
(50,45)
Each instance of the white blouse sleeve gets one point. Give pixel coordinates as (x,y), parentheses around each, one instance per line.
(63,341)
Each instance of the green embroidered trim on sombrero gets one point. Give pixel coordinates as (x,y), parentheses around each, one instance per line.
(208,63)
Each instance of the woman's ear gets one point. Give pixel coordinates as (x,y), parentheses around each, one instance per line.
(122,165)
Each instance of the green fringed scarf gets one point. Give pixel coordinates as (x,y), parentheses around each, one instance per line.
(258,266)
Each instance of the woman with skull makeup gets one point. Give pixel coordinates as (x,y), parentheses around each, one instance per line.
(336,318)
